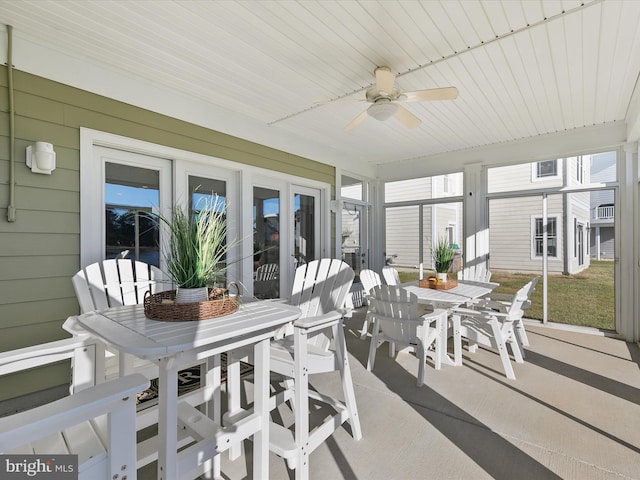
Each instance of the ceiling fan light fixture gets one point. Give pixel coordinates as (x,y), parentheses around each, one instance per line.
(382,110)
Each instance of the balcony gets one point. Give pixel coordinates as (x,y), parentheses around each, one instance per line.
(605,212)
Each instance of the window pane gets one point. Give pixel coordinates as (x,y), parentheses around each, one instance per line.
(351,188)
(402,236)
(266,242)
(548,168)
(128,192)
(304,228)
(351,227)
(424,188)
(205,189)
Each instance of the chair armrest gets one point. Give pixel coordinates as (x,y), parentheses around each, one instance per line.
(24,427)
(470,312)
(499,296)
(320,320)
(433,316)
(42,354)
(488,304)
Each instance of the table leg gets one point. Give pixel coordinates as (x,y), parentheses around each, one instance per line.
(444,339)
(457,340)
(261,408)
(167,420)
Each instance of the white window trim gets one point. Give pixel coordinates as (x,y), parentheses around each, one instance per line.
(532,240)
(534,171)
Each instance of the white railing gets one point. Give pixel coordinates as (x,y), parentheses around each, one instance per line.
(605,212)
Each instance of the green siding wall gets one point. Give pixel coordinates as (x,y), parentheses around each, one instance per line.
(41,250)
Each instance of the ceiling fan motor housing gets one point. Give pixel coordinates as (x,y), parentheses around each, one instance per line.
(382,109)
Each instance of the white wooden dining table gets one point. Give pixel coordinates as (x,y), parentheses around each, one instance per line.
(176,345)
(464,292)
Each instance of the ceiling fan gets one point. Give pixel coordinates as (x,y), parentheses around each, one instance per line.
(385,99)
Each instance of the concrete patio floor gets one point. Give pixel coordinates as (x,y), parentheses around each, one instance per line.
(572,413)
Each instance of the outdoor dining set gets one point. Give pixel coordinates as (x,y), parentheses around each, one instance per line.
(115,350)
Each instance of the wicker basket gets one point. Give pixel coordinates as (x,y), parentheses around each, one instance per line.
(162,306)
(432,282)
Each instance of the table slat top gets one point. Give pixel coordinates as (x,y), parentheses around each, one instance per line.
(127,329)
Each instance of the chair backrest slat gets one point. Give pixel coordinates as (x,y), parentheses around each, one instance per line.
(369,279)
(127,281)
(390,275)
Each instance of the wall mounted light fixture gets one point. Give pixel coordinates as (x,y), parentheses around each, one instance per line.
(41,158)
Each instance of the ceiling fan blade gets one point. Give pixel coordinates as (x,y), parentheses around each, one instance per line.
(446,93)
(385,79)
(356,121)
(407,118)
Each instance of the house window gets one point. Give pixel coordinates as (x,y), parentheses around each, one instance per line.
(548,168)
(579,169)
(451,234)
(552,237)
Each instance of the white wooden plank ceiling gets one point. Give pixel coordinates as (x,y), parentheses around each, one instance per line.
(522,68)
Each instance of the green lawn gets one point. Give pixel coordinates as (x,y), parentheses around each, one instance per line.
(585,299)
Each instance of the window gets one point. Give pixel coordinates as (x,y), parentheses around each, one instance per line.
(547,169)
(351,188)
(451,238)
(579,169)
(447,181)
(552,238)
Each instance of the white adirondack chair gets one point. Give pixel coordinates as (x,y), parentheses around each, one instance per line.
(266,272)
(117,282)
(111,283)
(369,279)
(390,276)
(98,423)
(394,313)
(317,345)
(502,302)
(495,325)
(475,274)
(265,281)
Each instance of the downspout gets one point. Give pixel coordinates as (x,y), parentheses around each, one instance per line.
(11,208)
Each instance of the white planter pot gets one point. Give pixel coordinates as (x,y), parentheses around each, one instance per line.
(442,277)
(192,295)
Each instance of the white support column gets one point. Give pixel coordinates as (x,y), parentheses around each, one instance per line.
(545,258)
(627,322)
(476,217)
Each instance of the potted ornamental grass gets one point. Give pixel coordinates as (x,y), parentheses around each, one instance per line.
(196,248)
(443,256)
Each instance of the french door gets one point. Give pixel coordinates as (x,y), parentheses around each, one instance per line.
(286,226)
(354,236)
(276,221)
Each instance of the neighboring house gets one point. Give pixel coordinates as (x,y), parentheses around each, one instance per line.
(407,224)
(603,169)
(516,223)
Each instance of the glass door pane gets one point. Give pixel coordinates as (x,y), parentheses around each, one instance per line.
(129,191)
(304,228)
(352,246)
(204,191)
(266,242)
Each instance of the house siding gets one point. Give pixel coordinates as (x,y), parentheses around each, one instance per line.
(402,227)
(510,233)
(40,251)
